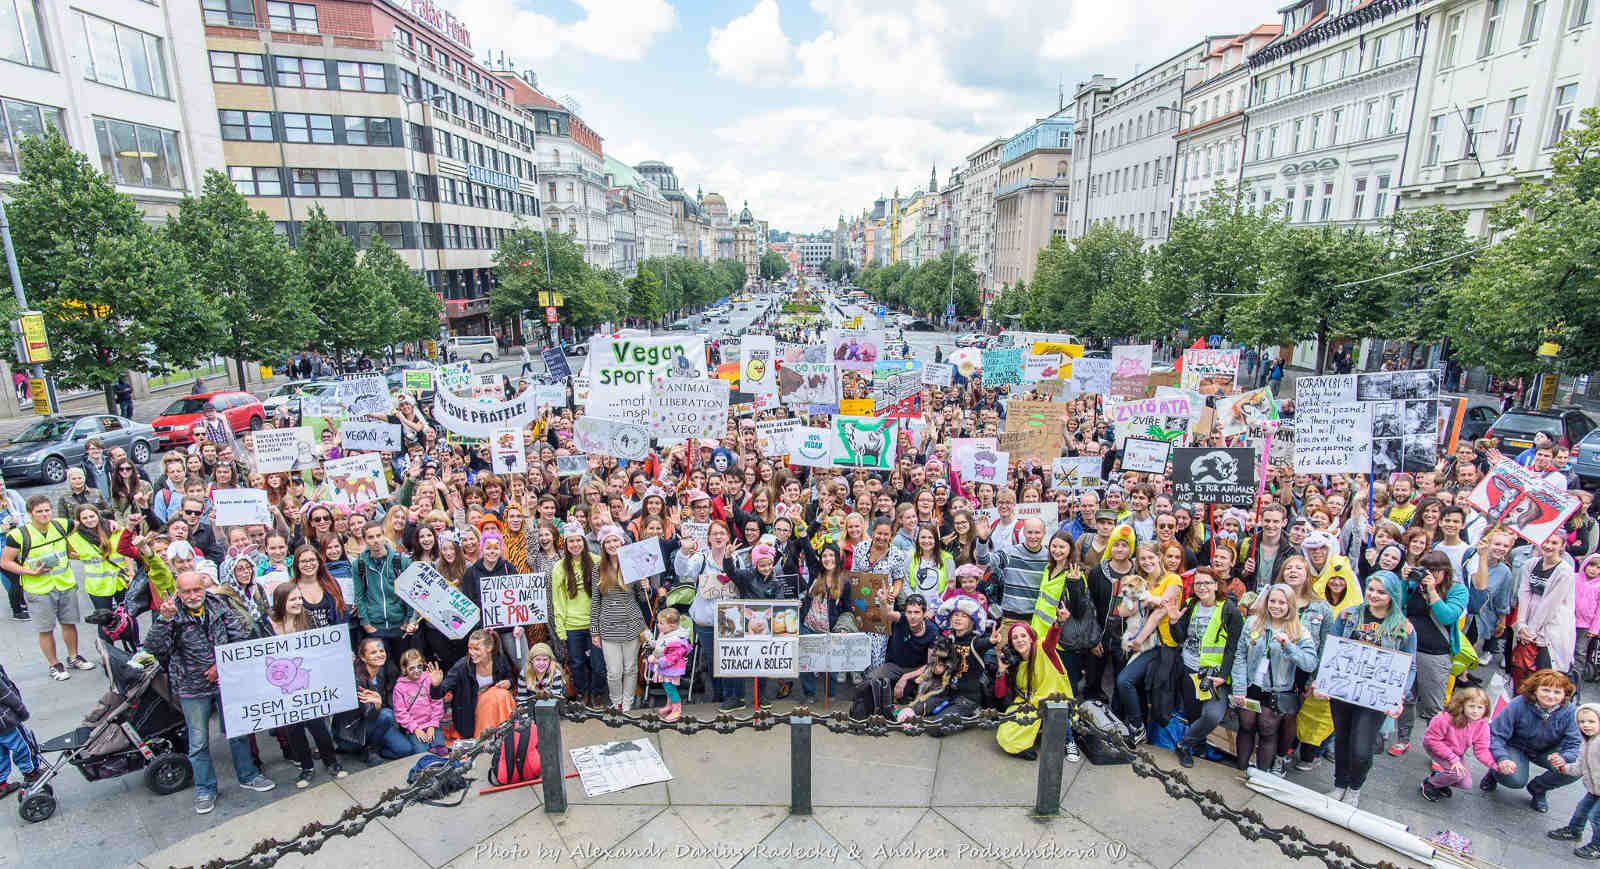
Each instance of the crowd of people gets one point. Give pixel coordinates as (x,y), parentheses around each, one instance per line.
(1200,626)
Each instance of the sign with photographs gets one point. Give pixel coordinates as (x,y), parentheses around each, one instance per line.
(1145,455)
(515,599)
(1393,385)
(835,653)
(1219,475)
(571,466)
(1210,372)
(1405,435)
(1523,501)
(757,638)
(1130,367)
(864,589)
(1247,411)
(1333,439)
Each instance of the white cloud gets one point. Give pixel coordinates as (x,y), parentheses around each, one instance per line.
(622,30)
(752,48)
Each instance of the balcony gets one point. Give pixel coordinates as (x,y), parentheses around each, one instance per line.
(564,167)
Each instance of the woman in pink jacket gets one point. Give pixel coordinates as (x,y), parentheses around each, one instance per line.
(1462,727)
(416,712)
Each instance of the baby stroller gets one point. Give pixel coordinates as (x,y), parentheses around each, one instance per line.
(136,725)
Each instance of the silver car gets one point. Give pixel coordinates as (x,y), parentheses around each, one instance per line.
(45,449)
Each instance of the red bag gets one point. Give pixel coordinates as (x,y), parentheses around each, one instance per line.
(517,759)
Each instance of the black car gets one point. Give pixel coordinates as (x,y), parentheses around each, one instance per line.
(1479,418)
(1515,428)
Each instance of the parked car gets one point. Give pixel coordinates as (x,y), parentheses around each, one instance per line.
(1515,428)
(47,448)
(482,348)
(241,409)
(280,396)
(920,326)
(1587,461)
(1478,419)
(971,339)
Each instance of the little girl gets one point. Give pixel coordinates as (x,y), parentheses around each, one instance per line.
(1588,809)
(542,675)
(1461,727)
(966,585)
(669,659)
(1588,612)
(416,713)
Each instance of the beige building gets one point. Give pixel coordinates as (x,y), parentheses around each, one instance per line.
(1031,201)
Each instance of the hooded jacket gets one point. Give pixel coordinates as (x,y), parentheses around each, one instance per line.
(1589,760)
(1587,594)
(377,602)
(1535,732)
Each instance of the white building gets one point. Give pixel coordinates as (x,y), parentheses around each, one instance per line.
(1124,150)
(127,84)
(1329,111)
(814,251)
(1501,80)
(1211,138)
(977,214)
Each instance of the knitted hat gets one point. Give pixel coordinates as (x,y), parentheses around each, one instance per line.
(969,570)
(763,551)
(179,549)
(572,530)
(541,649)
(696,495)
(965,604)
(611,531)
(491,534)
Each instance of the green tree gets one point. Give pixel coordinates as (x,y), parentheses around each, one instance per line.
(251,277)
(351,308)
(1111,264)
(1311,289)
(115,294)
(520,274)
(772,265)
(1013,305)
(731,276)
(1541,282)
(644,296)
(1213,258)
(415,313)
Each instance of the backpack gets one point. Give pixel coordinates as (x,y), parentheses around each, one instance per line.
(517,758)
(27,538)
(443,782)
(1095,749)
(874,697)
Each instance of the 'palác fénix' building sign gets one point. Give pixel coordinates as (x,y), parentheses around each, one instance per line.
(440,21)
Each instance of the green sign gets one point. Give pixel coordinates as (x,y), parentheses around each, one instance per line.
(418,380)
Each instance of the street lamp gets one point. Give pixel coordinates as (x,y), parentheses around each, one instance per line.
(416,198)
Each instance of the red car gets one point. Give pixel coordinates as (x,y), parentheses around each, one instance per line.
(243,411)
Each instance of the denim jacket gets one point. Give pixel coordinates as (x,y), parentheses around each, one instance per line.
(1300,655)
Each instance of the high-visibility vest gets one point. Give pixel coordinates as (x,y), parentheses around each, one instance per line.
(1051,592)
(102,576)
(41,546)
(1215,640)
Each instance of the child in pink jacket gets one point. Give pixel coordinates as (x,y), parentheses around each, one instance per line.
(416,712)
(1462,727)
(1587,605)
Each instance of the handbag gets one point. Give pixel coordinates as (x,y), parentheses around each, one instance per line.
(1084,632)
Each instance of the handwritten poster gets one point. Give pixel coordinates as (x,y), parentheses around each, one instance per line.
(279,450)
(356,479)
(434,598)
(774,436)
(683,408)
(1146,455)
(515,599)
(1333,438)
(367,434)
(1076,473)
(1210,372)
(1089,377)
(1363,674)
(641,560)
(506,452)
(1002,367)
(617,766)
(1130,368)
(835,653)
(241,507)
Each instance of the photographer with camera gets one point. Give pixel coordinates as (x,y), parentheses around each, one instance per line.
(1208,636)
(1434,604)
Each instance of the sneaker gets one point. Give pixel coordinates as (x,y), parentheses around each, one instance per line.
(1306,765)
(337,771)
(1590,851)
(732,704)
(1073,754)
(78,662)
(1399,748)
(1138,736)
(1352,798)
(1431,793)
(59,672)
(1564,834)
(1280,766)
(303,780)
(370,758)
(1488,783)
(204,803)
(1185,757)
(260,784)
(1538,802)
(20,615)
(11,787)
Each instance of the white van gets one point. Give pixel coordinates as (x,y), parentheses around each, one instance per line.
(481,348)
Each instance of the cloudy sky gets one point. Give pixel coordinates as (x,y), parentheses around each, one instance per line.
(809,108)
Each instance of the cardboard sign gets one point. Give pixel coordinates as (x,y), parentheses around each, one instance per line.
(1210,372)
(835,653)
(279,450)
(434,598)
(274,681)
(1333,438)
(1217,475)
(1030,444)
(758,364)
(1077,473)
(808,384)
(1146,455)
(1316,391)
(515,599)
(357,479)
(417,380)
(571,466)
(1363,674)
(641,560)
(479,420)
(864,588)
(938,374)
(1130,366)
(609,437)
(1524,501)
(811,447)
(1089,377)
(241,507)
(555,363)
(506,453)
(1238,414)
(366,434)
(363,395)
(1002,367)
(683,408)
(864,442)
(775,436)
(757,638)
(897,389)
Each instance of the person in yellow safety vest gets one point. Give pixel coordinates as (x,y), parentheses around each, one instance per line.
(93,544)
(36,553)
(1207,634)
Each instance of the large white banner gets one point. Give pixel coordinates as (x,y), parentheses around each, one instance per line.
(479,419)
(274,681)
(683,408)
(634,361)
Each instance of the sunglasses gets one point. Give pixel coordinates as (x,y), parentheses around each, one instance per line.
(191,512)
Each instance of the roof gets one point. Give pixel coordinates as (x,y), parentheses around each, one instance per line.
(622,175)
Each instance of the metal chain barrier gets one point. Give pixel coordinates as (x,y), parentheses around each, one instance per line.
(429,785)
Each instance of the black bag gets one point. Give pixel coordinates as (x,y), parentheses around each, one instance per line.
(874,697)
(450,778)
(1083,633)
(350,730)
(1096,749)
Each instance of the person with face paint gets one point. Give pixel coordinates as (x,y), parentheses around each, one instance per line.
(491,562)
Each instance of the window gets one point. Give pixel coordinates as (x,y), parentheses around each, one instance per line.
(1430,155)
(314,129)
(1327,200)
(1305,76)
(240,126)
(361,77)
(139,155)
(1580,13)
(1450,40)
(230,13)
(21,33)
(1315,133)
(231,67)
(1255,147)
(296,17)
(1469,148)
(1296,138)
(301,72)
(1063,139)
(256,180)
(1561,113)
(1359,202)
(121,56)
(1288,198)
(1368,115)
(1380,51)
(1533,21)
(1272,141)
(368,184)
(1061,203)
(1393,125)
(316,182)
(1380,203)
(1493,14)
(1305,203)
(18,121)
(1514,109)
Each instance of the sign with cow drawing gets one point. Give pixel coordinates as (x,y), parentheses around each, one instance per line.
(864,442)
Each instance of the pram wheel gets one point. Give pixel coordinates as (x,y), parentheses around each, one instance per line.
(168,773)
(38,807)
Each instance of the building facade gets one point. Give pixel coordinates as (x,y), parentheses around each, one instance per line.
(812,251)
(748,242)
(1501,81)
(571,159)
(639,208)
(1032,197)
(1211,139)
(684,211)
(977,214)
(128,85)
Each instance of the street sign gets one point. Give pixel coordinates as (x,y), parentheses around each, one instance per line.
(35,344)
(949,310)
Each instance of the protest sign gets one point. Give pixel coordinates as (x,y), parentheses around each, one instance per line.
(1210,372)
(1028,444)
(1221,475)
(856,406)
(864,442)
(609,437)
(555,363)
(897,389)
(683,408)
(571,466)
(641,560)
(580,391)
(624,404)
(1333,438)
(1130,366)
(367,434)
(854,347)
(364,394)
(506,453)
(1061,345)
(1002,367)
(1524,501)
(434,598)
(835,653)
(1047,415)
(1089,377)
(757,638)
(515,599)
(635,361)
(1076,473)
(984,466)
(1332,389)
(1145,455)
(1398,385)
(356,479)
(241,507)
(864,590)
(774,436)
(617,766)
(274,681)
(478,420)
(961,450)
(1046,511)
(939,374)
(758,364)
(1237,414)
(1036,367)
(1363,674)
(1162,418)
(808,383)
(487,387)
(454,376)
(284,449)
(1405,434)
(417,380)
(811,447)
(550,395)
